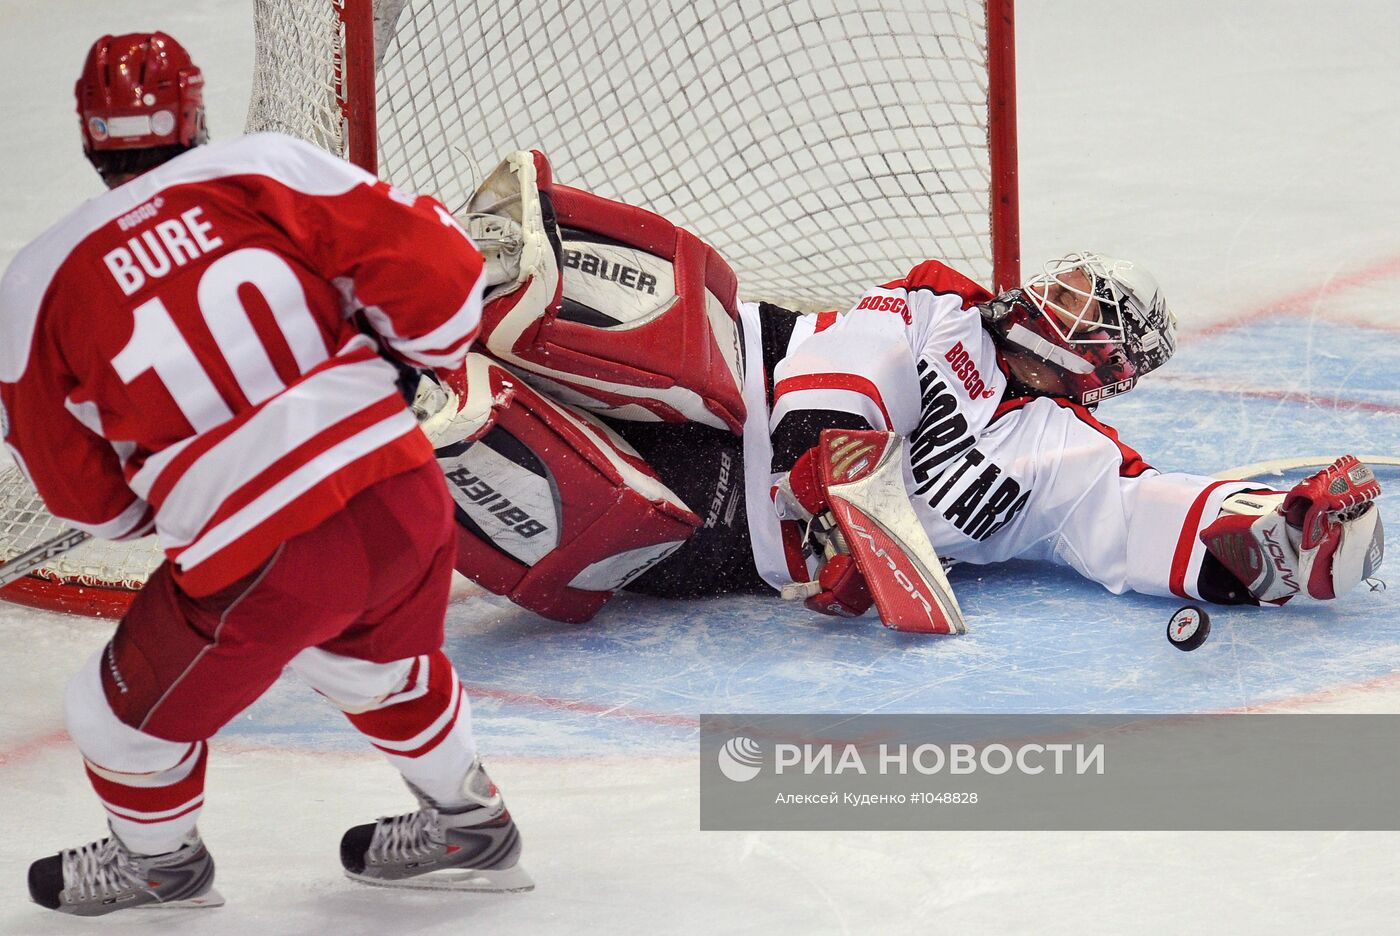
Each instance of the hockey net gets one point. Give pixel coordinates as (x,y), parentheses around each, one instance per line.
(820,145)
(97,578)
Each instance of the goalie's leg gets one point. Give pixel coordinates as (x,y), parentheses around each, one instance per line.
(705,467)
(609,307)
(555,510)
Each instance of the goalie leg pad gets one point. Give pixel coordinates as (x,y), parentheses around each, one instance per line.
(630,316)
(554,510)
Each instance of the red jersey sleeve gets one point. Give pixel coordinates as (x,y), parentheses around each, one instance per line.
(403,258)
(56,443)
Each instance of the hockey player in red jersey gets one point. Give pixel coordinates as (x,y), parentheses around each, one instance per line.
(201,351)
(691,426)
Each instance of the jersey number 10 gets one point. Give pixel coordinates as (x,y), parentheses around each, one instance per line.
(156,343)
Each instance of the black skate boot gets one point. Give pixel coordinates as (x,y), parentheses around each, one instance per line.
(475,847)
(103,877)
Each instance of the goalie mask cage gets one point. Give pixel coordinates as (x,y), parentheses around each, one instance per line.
(820,146)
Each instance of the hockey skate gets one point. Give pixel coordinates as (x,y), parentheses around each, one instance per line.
(475,847)
(102,877)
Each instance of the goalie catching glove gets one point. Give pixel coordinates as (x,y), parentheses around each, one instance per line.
(1322,537)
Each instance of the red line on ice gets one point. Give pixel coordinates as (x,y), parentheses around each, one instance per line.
(1338,693)
(34,746)
(1284,396)
(1302,301)
(587,708)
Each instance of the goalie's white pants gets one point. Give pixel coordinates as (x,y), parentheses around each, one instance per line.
(414,711)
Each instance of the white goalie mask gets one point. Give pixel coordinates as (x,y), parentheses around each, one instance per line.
(1102,323)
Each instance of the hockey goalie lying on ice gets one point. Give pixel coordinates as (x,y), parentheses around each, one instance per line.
(631,425)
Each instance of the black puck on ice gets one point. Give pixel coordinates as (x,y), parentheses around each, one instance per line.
(1188,628)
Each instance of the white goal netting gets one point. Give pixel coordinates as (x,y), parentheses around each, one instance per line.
(95,566)
(820,145)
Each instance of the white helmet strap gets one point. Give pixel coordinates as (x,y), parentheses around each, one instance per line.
(1048,350)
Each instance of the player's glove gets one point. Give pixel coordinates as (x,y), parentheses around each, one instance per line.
(840,589)
(475,396)
(1322,537)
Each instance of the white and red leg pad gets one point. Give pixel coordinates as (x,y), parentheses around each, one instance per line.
(1321,538)
(554,510)
(642,322)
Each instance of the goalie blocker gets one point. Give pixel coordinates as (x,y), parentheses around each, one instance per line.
(554,510)
(850,488)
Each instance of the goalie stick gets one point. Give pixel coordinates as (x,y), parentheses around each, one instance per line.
(1280,465)
(862,472)
(29,560)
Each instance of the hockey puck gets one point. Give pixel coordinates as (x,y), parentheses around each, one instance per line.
(1188,628)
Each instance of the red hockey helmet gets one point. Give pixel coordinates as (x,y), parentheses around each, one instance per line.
(1100,323)
(140,91)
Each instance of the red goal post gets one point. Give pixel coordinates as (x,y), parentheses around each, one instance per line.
(820,145)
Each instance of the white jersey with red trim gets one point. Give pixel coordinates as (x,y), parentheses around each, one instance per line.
(181,353)
(991,478)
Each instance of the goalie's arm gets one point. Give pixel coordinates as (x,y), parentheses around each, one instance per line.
(1102,511)
(859,365)
(1320,539)
(1096,506)
(853,372)
(1235,543)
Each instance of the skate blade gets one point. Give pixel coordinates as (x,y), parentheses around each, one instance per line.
(210,898)
(505,881)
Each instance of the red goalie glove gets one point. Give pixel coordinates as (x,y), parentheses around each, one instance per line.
(844,591)
(1328,510)
(851,488)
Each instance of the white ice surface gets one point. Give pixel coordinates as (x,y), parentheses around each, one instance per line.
(613,846)
(1242,151)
